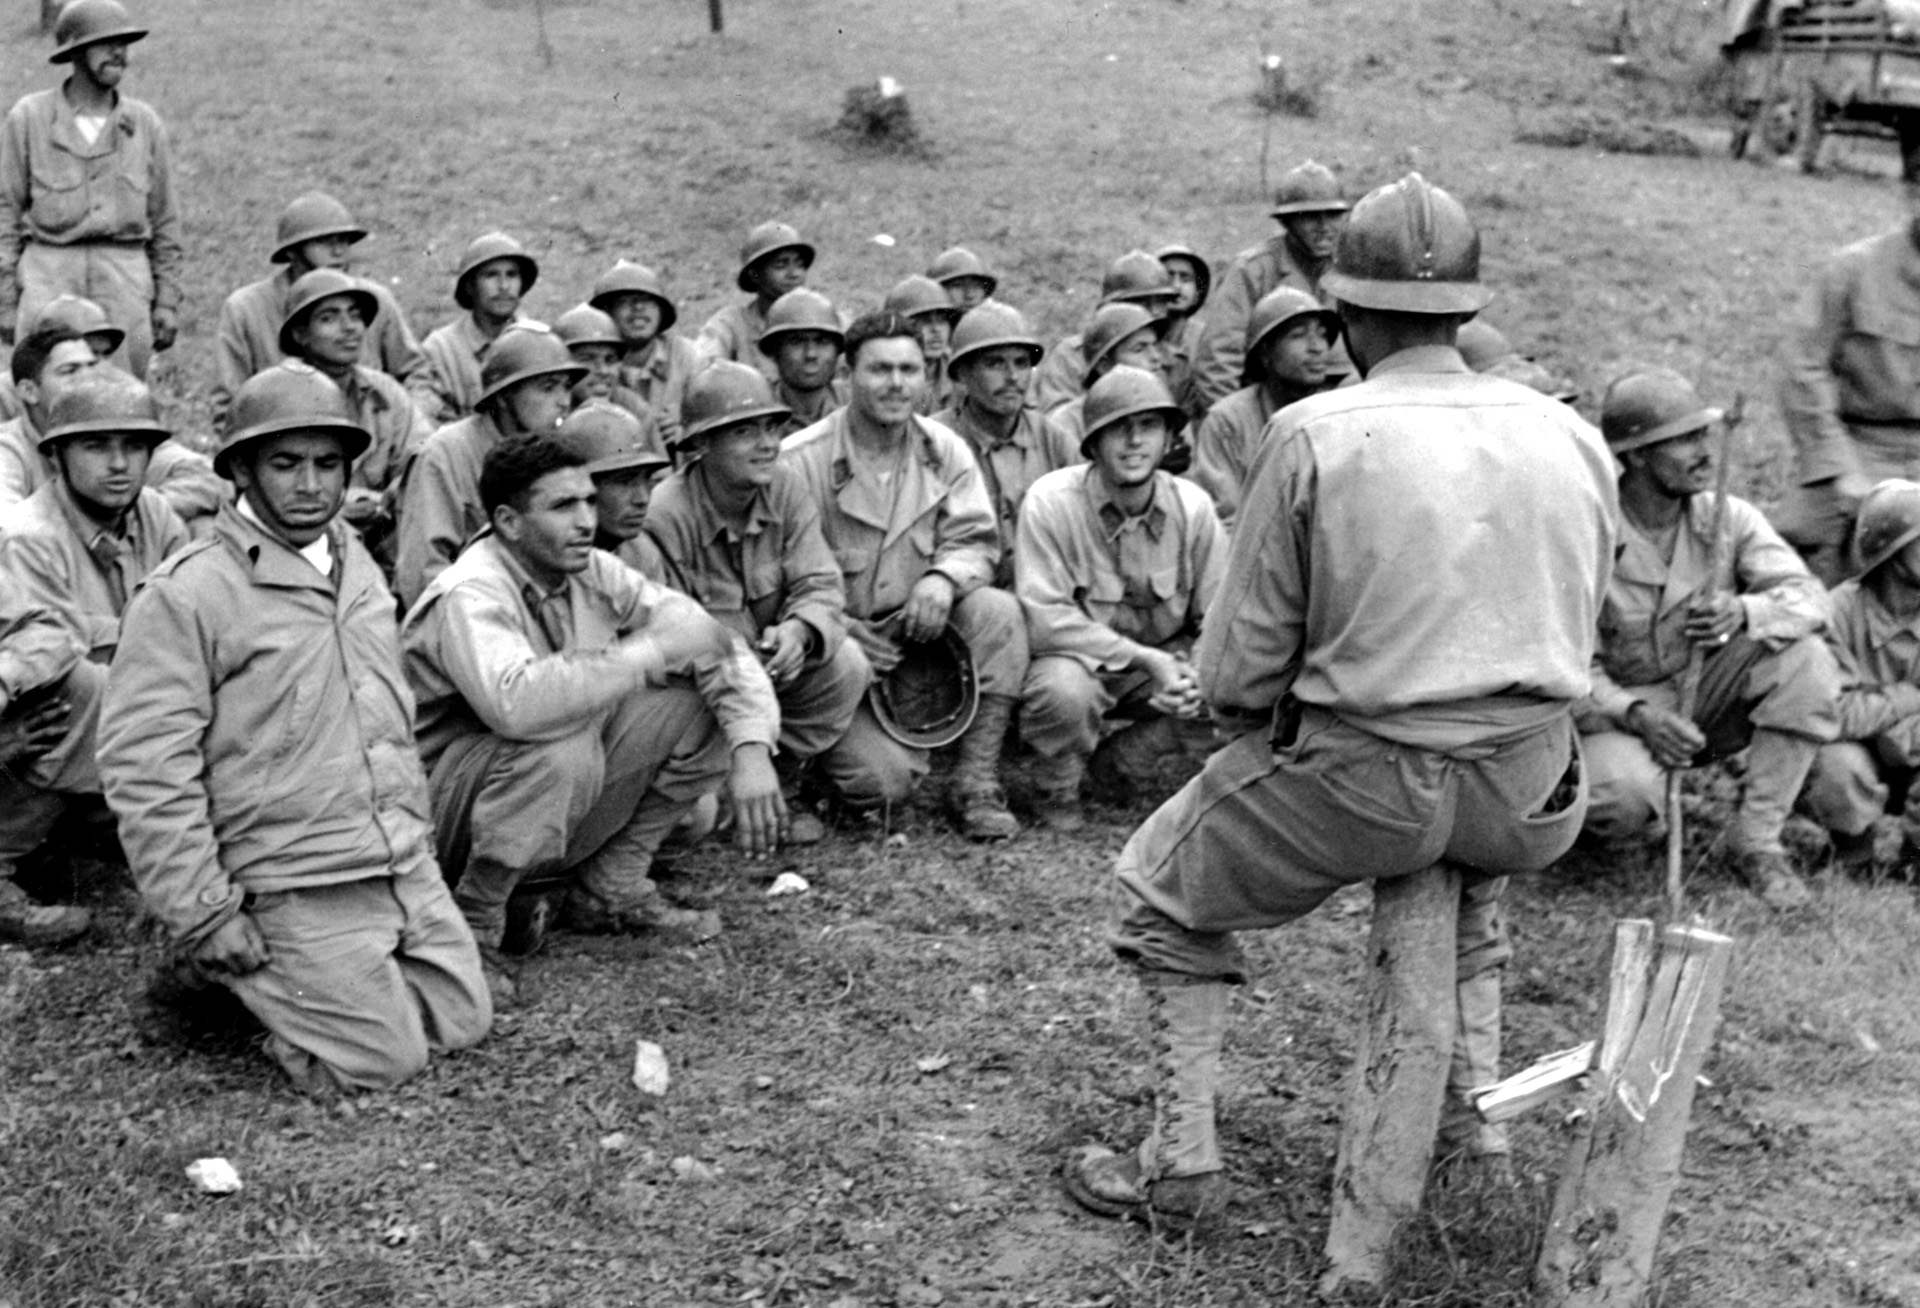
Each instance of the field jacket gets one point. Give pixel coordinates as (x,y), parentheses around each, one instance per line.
(184,478)
(1220,357)
(440,506)
(36,648)
(1879,658)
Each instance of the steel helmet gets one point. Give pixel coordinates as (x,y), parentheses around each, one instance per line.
(484,250)
(1271,315)
(801,310)
(766,239)
(522,352)
(724,393)
(1308,188)
(80,316)
(988,325)
(917,295)
(960,262)
(1110,325)
(607,438)
(1122,393)
(1889,521)
(929,698)
(1408,248)
(629,278)
(290,396)
(88,22)
(320,284)
(1202,270)
(1482,345)
(1534,375)
(104,400)
(1650,406)
(585,325)
(310,217)
(1136,275)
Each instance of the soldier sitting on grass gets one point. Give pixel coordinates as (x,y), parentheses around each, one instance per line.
(625,462)
(968,281)
(495,274)
(658,361)
(1137,278)
(773,261)
(804,340)
(924,303)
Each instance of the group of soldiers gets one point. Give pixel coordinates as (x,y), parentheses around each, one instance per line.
(447,638)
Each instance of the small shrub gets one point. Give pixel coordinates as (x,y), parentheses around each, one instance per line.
(876,115)
(1296,93)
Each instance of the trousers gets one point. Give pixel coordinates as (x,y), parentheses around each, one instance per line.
(118,278)
(33,796)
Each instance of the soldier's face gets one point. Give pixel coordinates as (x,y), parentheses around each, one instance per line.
(552,531)
(1142,350)
(497,287)
(67,361)
(997,379)
(1298,355)
(296,481)
(638,317)
(323,252)
(887,377)
(602,363)
(780,272)
(744,454)
(620,501)
(1129,451)
(105,470)
(965,292)
(104,61)
(538,403)
(936,332)
(1681,466)
(806,360)
(1186,284)
(333,332)
(1318,232)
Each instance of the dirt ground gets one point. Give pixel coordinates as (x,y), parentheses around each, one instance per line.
(874,1082)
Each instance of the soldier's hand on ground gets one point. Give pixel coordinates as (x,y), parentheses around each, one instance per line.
(34,731)
(759,811)
(882,654)
(927,607)
(1670,738)
(166,328)
(783,649)
(1714,620)
(236,949)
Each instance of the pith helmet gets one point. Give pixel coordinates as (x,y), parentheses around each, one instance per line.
(800,310)
(629,278)
(1136,275)
(1889,521)
(988,325)
(930,697)
(522,352)
(1274,313)
(916,295)
(1202,270)
(1408,247)
(290,396)
(1308,188)
(88,22)
(722,394)
(106,400)
(1647,407)
(960,262)
(82,316)
(484,250)
(1482,345)
(310,217)
(1122,393)
(766,239)
(311,288)
(609,439)
(585,325)
(1110,325)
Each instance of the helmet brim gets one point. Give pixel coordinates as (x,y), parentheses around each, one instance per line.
(993,283)
(1175,415)
(462,281)
(1032,346)
(153,431)
(744,280)
(283,253)
(66,54)
(353,438)
(1253,370)
(368,302)
(573,372)
(722,421)
(1666,431)
(669,315)
(948,728)
(1427,297)
(771,336)
(1309,206)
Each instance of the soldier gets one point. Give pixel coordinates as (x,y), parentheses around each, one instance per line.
(572,712)
(1289,342)
(659,360)
(743,538)
(1850,389)
(1136,277)
(1310,210)
(905,511)
(595,343)
(625,461)
(994,354)
(37,653)
(526,389)
(773,261)
(494,275)
(79,547)
(86,192)
(965,276)
(1389,709)
(1119,333)
(82,316)
(804,339)
(1115,564)
(1192,284)
(1768,684)
(924,303)
(259,756)
(314,231)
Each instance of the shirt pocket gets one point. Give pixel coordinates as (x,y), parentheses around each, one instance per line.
(59,198)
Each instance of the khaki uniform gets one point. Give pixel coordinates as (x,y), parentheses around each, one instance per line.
(259,756)
(1220,357)
(91,219)
(939,392)
(183,477)
(660,377)
(645,558)
(1062,375)
(734,333)
(547,752)
(1035,447)
(805,410)
(457,351)
(440,508)
(38,651)
(1182,345)
(1774,684)
(1228,439)
(1877,751)
(382,406)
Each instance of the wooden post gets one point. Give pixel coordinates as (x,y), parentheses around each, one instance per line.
(542,46)
(715,19)
(1625,1158)
(1399,1075)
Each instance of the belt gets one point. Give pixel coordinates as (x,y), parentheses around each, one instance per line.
(1892,424)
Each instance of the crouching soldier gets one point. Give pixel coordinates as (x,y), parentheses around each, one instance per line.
(1768,684)
(37,652)
(568,713)
(1115,563)
(259,756)
(625,462)
(742,536)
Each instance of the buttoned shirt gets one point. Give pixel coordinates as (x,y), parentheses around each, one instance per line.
(808,408)
(58,188)
(382,406)
(458,350)
(774,567)
(891,521)
(1879,658)
(440,507)
(184,477)
(734,333)
(1423,554)
(490,649)
(659,376)
(1098,583)
(36,648)
(1010,465)
(1220,357)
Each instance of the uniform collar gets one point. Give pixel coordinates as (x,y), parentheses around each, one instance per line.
(1421,358)
(707,512)
(274,561)
(1116,522)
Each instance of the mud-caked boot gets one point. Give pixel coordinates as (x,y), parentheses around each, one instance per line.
(1777,767)
(979,804)
(28,923)
(804,826)
(1469,1147)
(1057,792)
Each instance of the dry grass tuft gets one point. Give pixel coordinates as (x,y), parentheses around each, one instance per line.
(1602,131)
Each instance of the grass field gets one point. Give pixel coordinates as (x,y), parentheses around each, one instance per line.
(875,1082)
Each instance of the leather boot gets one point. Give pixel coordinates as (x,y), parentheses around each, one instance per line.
(1180,1158)
(1475,1063)
(1057,792)
(979,804)
(1777,767)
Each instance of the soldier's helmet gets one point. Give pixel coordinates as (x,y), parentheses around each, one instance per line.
(1136,276)
(629,278)
(81,316)
(928,699)
(769,239)
(585,325)
(1649,406)
(801,309)
(722,394)
(1308,188)
(310,217)
(1275,311)
(521,353)
(104,400)
(1889,521)
(916,295)
(290,396)
(88,22)
(960,262)
(988,325)
(1408,247)
(607,438)
(311,288)
(1122,393)
(484,250)
(1110,325)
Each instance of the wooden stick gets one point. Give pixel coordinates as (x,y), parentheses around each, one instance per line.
(715,19)
(1550,1078)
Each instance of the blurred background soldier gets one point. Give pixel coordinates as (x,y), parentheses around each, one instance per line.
(1136,277)
(494,275)
(79,314)
(594,341)
(804,340)
(86,192)
(625,462)
(773,261)
(658,360)
(965,276)
(1121,333)
(925,304)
